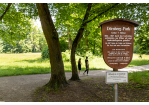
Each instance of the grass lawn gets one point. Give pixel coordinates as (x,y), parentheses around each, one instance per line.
(137,61)
(19,64)
(31,63)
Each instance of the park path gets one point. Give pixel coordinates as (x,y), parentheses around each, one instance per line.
(20,88)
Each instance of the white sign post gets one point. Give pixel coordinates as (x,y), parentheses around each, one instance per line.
(116,77)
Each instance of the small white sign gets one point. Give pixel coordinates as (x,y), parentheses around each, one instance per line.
(116,77)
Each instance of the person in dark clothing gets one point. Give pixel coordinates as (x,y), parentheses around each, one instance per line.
(79,65)
(87,65)
(86,60)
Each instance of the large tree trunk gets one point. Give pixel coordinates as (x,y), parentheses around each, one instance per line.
(75,43)
(57,67)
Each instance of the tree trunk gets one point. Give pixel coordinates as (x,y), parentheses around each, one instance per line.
(86,40)
(70,42)
(33,43)
(69,39)
(75,43)
(94,48)
(57,67)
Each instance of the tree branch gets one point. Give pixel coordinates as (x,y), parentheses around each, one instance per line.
(80,32)
(102,13)
(9,4)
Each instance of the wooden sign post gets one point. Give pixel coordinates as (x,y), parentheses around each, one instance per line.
(117,44)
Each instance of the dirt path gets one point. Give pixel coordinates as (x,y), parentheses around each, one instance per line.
(20,88)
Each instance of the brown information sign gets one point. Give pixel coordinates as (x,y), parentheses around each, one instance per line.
(117,42)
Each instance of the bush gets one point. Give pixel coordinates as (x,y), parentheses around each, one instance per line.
(136,49)
(63,45)
(45,52)
(66,55)
(147,52)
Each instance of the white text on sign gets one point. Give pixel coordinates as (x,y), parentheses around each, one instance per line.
(118,29)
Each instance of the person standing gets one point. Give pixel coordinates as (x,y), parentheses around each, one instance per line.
(87,66)
(79,65)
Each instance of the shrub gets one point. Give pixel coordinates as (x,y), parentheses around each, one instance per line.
(63,45)
(66,55)
(136,49)
(45,52)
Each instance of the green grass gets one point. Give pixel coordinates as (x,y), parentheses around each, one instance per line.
(19,64)
(139,77)
(137,61)
(31,63)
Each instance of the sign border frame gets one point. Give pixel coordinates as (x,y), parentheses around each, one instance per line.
(115,82)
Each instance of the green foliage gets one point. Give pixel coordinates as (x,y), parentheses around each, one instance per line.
(29,9)
(139,77)
(69,17)
(66,56)
(45,52)
(18,33)
(63,47)
(94,41)
(143,38)
(136,49)
(36,38)
(1,46)
(63,44)
(34,42)
(8,48)
(14,25)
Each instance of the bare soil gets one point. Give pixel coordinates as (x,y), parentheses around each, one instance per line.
(92,90)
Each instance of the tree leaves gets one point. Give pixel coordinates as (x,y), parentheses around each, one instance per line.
(7,8)
(14,25)
(69,16)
